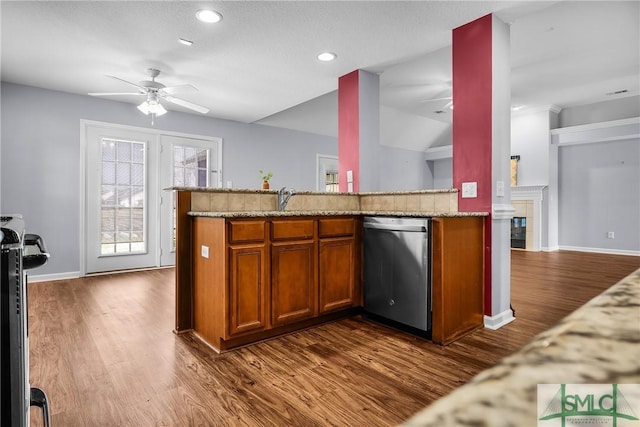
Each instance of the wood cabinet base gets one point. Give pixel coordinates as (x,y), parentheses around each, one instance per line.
(221,345)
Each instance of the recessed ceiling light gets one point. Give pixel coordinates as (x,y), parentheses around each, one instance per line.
(208,16)
(185,41)
(517,107)
(327,56)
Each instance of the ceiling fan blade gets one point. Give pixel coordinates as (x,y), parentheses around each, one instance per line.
(187,104)
(141,88)
(437,99)
(114,93)
(170,90)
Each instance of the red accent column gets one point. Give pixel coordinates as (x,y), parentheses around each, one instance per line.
(348,130)
(472,124)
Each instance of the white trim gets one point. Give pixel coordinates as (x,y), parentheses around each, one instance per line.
(437,153)
(53,276)
(599,250)
(550,249)
(552,108)
(614,130)
(499,320)
(502,211)
(592,126)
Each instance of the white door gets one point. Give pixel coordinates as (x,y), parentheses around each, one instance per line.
(184,162)
(121,199)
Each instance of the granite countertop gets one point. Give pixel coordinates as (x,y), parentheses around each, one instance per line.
(263,214)
(599,343)
(275,191)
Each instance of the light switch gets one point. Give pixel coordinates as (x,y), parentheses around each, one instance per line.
(229,184)
(499,188)
(469,190)
(205,251)
(349,176)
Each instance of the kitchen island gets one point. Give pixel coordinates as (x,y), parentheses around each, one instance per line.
(246,271)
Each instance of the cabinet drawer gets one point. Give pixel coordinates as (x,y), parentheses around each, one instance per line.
(336,227)
(246,231)
(292,229)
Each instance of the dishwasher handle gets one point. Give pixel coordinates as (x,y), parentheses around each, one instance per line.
(396,227)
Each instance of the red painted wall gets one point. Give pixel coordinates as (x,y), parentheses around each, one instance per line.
(348,130)
(472,123)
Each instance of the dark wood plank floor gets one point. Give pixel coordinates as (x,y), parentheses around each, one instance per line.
(103,350)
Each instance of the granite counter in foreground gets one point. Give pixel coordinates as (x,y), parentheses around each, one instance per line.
(599,343)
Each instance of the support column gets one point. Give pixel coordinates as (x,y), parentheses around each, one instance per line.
(481,148)
(358,131)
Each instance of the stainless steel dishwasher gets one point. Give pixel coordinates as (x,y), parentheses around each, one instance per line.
(397,273)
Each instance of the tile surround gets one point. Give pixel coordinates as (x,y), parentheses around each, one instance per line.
(224,200)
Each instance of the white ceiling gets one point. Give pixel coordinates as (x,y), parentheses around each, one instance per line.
(259,63)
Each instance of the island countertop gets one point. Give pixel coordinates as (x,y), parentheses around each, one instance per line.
(264,214)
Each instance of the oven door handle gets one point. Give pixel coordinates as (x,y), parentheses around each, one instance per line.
(33,260)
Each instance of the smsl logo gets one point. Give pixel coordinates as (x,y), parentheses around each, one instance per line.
(588,404)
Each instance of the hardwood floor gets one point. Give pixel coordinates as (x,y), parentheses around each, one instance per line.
(103,350)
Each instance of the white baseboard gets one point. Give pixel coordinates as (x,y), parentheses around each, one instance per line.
(51,277)
(550,249)
(499,320)
(600,250)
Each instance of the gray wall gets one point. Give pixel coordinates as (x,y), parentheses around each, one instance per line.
(599,191)
(402,169)
(40,169)
(623,108)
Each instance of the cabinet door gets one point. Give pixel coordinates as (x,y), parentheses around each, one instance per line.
(247,289)
(293,282)
(337,273)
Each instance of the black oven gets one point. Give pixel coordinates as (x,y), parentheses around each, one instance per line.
(20,252)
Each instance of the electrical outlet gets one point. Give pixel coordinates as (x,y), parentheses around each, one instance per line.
(205,251)
(610,235)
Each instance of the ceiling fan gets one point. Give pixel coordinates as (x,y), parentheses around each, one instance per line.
(155,91)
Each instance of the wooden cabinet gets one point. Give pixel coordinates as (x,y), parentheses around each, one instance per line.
(247,289)
(293,282)
(457,277)
(255,278)
(339,264)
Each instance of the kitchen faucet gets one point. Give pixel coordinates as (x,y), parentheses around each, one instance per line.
(283,197)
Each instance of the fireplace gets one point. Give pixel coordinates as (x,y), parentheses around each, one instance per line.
(528,220)
(519,232)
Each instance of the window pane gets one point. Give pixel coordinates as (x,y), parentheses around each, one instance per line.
(124,151)
(108,195)
(108,173)
(202,178)
(138,152)
(123,197)
(137,174)
(108,150)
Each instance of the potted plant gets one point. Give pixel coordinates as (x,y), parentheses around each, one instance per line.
(266,176)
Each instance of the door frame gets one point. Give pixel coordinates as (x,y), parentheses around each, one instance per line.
(156,133)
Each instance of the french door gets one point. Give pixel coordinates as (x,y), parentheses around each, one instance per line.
(121,200)
(185,162)
(129,217)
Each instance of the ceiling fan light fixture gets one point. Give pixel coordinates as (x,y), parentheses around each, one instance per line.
(152,107)
(208,16)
